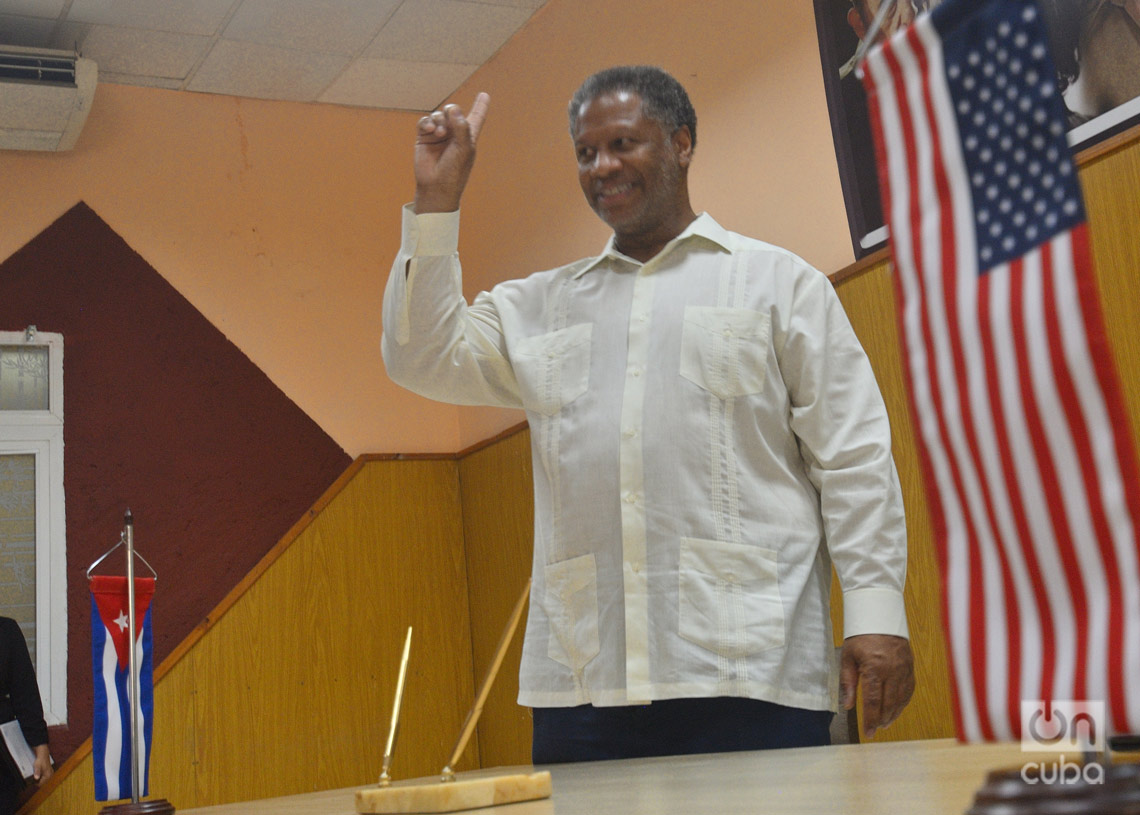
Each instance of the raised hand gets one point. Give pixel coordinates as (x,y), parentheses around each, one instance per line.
(445,154)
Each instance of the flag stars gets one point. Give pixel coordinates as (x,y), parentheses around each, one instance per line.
(122,621)
(1005,98)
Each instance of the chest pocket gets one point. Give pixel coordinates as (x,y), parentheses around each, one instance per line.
(725,350)
(553,369)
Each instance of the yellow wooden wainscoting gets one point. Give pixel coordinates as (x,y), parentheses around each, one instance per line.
(498,528)
(290,690)
(869,301)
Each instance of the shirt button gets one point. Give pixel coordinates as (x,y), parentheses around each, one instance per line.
(630,432)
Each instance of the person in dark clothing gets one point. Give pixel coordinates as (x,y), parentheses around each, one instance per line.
(20,701)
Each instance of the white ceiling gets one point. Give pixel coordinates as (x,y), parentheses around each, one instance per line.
(404,54)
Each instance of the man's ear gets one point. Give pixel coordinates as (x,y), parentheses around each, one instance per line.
(682,140)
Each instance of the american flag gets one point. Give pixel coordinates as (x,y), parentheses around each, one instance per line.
(111,730)
(1030,471)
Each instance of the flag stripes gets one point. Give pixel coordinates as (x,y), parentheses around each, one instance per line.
(111,743)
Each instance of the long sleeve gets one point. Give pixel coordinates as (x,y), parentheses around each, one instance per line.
(19,679)
(434,343)
(841,422)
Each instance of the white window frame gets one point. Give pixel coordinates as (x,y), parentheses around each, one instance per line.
(40,433)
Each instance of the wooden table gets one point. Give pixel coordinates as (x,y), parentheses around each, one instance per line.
(913,777)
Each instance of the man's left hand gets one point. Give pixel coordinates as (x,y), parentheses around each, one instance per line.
(884,665)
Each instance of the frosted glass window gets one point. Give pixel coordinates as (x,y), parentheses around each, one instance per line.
(33,534)
(18,543)
(24,382)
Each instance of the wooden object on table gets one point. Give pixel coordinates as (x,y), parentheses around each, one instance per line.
(452,796)
(1071,788)
(448,794)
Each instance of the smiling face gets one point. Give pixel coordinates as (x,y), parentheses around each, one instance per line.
(633,173)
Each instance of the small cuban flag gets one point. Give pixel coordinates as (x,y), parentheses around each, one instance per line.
(111,742)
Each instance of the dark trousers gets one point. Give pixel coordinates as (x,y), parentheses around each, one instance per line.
(673,727)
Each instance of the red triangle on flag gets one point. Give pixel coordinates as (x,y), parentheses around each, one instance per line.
(110,593)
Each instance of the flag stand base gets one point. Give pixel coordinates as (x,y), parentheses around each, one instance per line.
(158,806)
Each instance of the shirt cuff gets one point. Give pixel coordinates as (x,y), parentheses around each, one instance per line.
(874,611)
(432,234)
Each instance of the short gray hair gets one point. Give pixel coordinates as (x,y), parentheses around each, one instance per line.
(662,96)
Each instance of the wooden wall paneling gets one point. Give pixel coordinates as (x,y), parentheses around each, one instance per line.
(1112,197)
(498,528)
(322,634)
(291,690)
(869,301)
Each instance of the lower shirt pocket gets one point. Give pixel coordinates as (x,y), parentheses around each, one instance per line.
(571,603)
(729,597)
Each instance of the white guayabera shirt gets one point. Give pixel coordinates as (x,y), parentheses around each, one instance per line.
(700,425)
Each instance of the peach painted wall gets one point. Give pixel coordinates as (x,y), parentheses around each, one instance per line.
(278,220)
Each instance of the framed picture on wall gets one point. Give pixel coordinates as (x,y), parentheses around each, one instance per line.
(1095,45)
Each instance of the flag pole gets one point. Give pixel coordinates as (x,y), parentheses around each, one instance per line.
(132,659)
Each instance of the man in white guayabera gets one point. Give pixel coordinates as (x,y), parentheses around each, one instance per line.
(707,436)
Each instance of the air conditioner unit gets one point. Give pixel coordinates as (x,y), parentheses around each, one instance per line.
(44,97)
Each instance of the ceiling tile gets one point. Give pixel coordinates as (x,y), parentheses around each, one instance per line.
(203,17)
(156,54)
(264,72)
(27,32)
(446,31)
(32,8)
(385,83)
(330,26)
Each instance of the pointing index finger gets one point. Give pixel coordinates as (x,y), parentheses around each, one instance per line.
(478,114)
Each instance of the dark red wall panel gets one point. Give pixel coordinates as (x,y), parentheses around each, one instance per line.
(164,415)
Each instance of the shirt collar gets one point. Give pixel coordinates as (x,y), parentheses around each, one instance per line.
(704,226)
